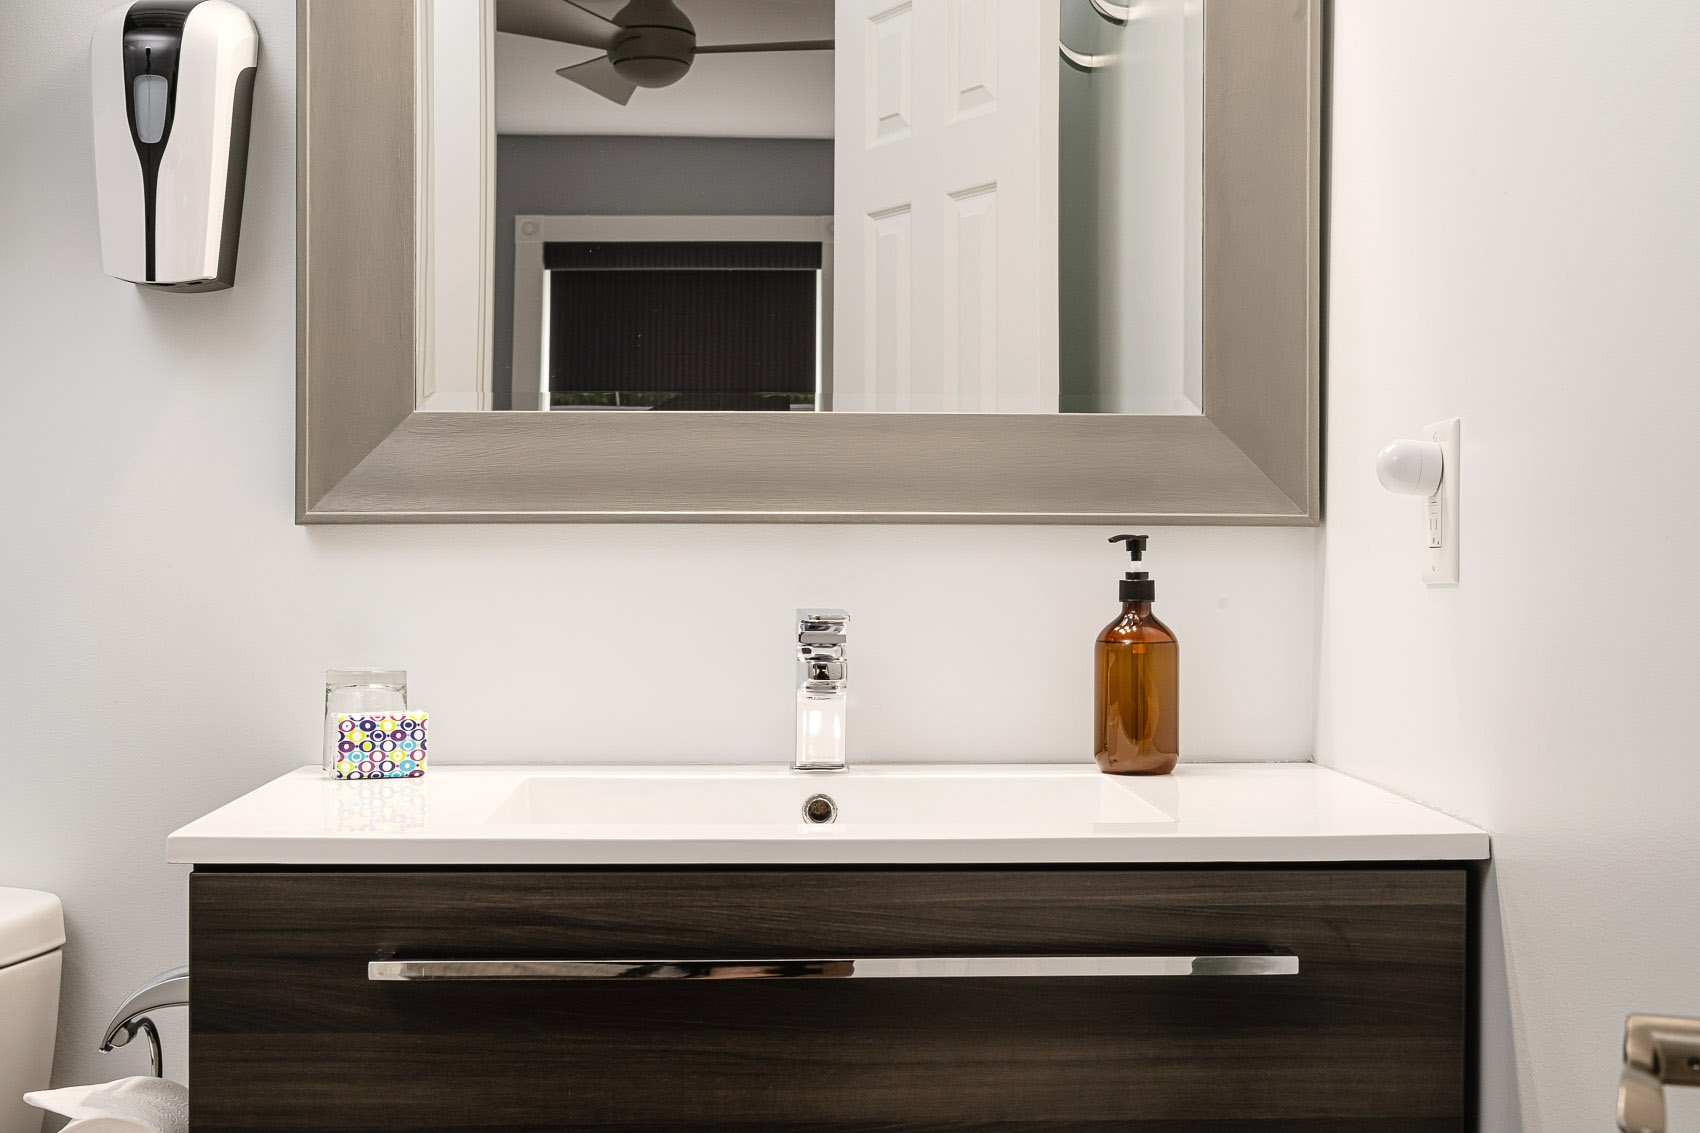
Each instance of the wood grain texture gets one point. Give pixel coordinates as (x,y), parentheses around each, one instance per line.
(287,1032)
(364,456)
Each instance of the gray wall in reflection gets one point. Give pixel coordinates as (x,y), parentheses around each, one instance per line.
(555,175)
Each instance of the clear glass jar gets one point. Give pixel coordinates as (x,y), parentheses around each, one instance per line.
(359,692)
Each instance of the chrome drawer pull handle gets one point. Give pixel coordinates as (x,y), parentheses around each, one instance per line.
(879,968)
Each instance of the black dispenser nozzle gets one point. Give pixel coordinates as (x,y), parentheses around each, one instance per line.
(1135,544)
(1137,585)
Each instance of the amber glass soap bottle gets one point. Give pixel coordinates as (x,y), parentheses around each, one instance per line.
(1136,710)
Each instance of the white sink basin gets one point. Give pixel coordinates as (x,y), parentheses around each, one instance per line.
(1012,798)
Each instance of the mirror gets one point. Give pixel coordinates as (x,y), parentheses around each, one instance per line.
(926,261)
(934,206)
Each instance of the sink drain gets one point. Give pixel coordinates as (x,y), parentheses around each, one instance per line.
(820,809)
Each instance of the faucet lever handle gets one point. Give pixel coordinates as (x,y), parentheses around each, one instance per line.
(822,627)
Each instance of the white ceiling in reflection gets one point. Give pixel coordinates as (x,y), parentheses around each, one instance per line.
(761,95)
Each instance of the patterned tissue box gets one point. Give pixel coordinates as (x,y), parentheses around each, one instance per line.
(390,746)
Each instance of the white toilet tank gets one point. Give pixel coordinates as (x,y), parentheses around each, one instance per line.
(32,935)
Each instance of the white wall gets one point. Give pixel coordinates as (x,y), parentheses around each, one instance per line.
(166,626)
(1515,233)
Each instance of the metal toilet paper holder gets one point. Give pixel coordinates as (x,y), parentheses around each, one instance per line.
(168,989)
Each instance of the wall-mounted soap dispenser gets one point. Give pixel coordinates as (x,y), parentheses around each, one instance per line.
(172,84)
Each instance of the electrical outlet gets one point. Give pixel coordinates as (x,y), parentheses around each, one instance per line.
(1440,511)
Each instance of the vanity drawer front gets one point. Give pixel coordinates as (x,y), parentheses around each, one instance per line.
(288,1032)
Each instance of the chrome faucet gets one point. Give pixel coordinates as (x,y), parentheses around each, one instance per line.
(823,690)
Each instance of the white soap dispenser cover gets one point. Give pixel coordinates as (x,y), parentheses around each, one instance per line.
(172,83)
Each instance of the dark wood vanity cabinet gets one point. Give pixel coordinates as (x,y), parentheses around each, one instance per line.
(289,1033)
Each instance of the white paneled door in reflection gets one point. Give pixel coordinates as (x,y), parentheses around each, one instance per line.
(946,206)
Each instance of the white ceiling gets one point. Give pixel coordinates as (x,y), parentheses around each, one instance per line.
(763,95)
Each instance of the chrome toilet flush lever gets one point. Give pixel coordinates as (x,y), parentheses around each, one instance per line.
(1658,1051)
(823,690)
(168,989)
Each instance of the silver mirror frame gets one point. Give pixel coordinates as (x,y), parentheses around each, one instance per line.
(364,455)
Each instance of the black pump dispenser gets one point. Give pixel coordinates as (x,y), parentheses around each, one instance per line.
(1136,682)
(1137,585)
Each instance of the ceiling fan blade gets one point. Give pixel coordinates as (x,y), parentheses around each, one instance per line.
(600,76)
(738,48)
(558,20)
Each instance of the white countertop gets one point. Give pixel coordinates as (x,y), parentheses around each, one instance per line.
(493,815)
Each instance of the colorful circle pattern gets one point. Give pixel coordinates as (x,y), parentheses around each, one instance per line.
(381,747)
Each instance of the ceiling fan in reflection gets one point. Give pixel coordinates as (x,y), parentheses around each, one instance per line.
(649,43)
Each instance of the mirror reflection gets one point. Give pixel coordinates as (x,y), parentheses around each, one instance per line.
(956,206)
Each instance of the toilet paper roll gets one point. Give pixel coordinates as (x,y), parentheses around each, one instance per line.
(129,1105)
